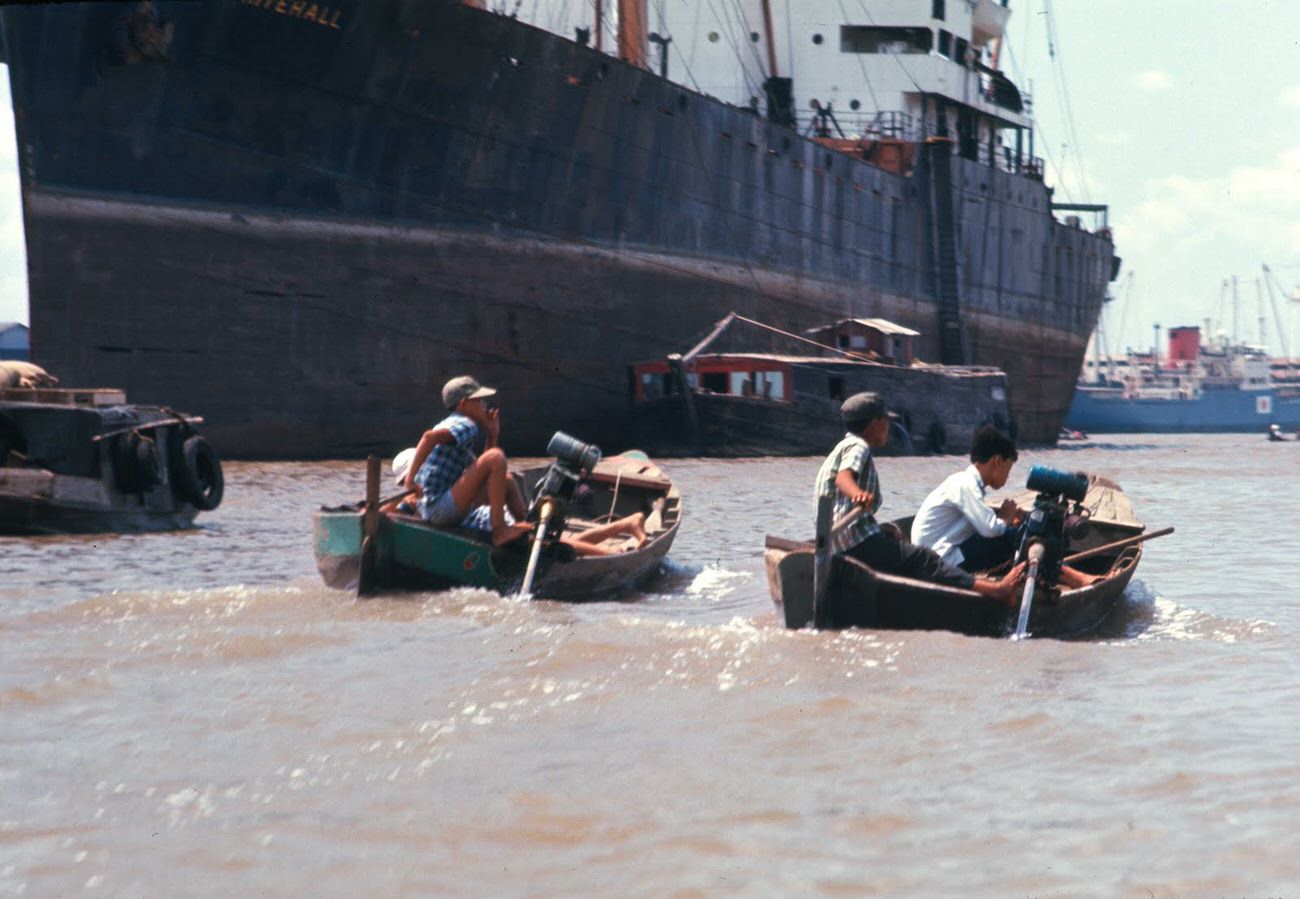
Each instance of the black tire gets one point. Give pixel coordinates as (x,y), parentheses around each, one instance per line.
(198,477)
(137,464)
(900,439)
(937,438)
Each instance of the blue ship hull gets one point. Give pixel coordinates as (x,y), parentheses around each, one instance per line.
(1214,410)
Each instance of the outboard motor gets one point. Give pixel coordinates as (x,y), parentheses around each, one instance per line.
(560,485)
(573,459)
(1052,523)
(558,489)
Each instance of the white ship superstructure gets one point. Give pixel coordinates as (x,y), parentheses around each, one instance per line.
(902,69)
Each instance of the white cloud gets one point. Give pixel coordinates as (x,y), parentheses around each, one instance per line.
(1254,208)
(1154,80)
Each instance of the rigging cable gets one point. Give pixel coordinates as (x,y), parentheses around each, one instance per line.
(1063,93)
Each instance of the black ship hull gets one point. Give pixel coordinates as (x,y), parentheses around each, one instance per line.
(299,226)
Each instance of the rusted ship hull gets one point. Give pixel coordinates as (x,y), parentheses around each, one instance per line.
(301,228)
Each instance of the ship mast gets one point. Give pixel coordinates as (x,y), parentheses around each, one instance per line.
(600,25)
(779,91)
(767,37)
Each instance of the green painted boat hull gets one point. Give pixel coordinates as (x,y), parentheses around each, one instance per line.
(411,555)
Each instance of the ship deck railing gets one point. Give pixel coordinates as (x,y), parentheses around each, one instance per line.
(895,125)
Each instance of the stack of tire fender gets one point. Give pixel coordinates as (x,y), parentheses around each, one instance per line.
(191,465)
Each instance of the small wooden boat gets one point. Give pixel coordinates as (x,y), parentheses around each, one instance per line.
(858,596)
(84,461)
(410,554)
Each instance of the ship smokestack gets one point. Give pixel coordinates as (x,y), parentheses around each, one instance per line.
(632,47)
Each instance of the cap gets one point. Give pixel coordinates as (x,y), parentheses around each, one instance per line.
(464,388)
(862,408)
(402,463)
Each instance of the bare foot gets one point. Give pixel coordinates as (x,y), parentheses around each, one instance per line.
(638,529)
(1007,587)
(509,533)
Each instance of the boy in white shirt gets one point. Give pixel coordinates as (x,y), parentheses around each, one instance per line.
(955,522)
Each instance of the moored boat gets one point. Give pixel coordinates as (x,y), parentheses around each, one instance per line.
(84,461)
(1198,386)
(778,393)
(859,596)
(412,555)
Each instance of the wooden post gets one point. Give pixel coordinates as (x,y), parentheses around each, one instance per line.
(678,369)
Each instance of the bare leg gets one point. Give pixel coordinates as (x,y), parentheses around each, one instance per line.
(489,468)
(1074,578)
(632,525)
(515,500)
(1004,589)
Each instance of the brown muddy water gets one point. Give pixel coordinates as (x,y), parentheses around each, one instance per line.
(194,714)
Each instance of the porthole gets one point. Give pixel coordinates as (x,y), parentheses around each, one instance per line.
(817,39)
(753,36)
(713,37)
(854,105)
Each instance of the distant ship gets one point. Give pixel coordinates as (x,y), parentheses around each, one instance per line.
(299,219)
(1222,385)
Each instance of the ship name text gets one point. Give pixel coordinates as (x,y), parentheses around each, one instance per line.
(300,9)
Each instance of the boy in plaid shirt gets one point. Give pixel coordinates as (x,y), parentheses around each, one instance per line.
(449,476)
(849,475)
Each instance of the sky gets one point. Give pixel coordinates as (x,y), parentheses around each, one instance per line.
(1182,115)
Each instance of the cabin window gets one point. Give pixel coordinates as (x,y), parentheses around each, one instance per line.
(961,47)
(945,43)
(654,386)
(871,39)
(937,9)
(857,342)
(835,388)
(843,341)
(714,381)
(742,383)
(771,385)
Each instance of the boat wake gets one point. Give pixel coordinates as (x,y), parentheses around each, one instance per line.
(712,583)
(1146,615)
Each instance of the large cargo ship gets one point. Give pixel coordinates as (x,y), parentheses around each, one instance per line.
(1216,385)
(298,219)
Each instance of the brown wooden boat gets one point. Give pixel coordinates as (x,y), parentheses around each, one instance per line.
(859,596)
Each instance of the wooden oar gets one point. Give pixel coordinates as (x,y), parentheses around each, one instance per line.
(403,495)
(823,553)
(1118,544)
(369,530)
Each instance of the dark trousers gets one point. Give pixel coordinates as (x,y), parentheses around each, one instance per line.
(982,553)
(883,553)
